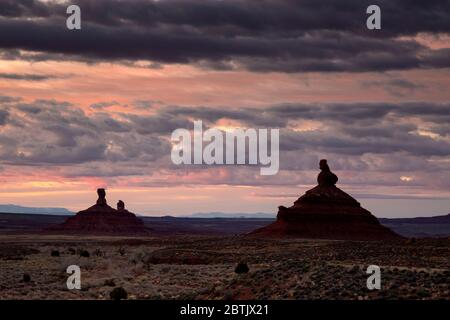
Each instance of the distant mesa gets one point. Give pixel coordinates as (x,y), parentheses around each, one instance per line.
(326,212)
(11,208)
(102,219)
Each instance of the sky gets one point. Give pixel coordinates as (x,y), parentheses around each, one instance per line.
(90,108)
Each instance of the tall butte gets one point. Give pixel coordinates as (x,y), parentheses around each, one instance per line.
(326,212)
(102,219)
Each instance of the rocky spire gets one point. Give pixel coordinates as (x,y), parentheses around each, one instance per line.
(326,177)
(101,197)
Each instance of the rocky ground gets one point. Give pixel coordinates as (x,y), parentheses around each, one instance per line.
(188,267)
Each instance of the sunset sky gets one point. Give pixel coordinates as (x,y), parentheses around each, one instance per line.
(82,109)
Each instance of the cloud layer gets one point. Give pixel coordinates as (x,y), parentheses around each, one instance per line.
(263,36)
(359,137)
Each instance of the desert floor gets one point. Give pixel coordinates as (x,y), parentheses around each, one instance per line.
(195,267)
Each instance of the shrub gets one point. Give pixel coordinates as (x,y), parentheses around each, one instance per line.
(55,253)
(118,293)
(98,253)
(84,253)
(228,295)
(26,278)
(139,256)
(354,270)
(165,270)
(242,267)
(110,283)
(423,293)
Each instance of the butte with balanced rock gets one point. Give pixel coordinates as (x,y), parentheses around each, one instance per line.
(102,219)
(326,212)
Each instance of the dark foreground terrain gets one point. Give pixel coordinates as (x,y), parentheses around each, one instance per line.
(203,267)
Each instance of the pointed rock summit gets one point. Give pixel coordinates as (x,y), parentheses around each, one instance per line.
(103,219)
(326,212)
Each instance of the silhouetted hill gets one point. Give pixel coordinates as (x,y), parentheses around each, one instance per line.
(420,220)
(11,208)
(437,226)
(257,215)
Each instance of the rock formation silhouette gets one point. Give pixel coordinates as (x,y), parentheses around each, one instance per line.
(101,201)
(326,177)
(102,219)
(326,212)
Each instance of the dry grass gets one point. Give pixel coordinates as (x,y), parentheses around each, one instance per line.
(203,268)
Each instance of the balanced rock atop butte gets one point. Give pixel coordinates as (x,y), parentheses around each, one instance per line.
(326,212)
(102,219)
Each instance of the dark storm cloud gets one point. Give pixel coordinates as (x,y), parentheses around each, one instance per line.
(364,112)
(281,35)
(372,142)
(374,138)
(52,132)
(66,135)
(3,116)
(400,83)
(8,99)
(145,104)
(27,108)
(158,124)
(279,115)
(350,129)
(103,105)
(335,112)
(210,114)
(396,87)
(255,117)
(104,123)
(24,8)
(26,77)
(401,17)
(48,132)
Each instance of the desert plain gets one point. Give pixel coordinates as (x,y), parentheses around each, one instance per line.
(33,266)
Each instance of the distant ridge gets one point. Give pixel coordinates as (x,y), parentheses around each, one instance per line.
(11,208)
(431,220)
(422,227)
(257,215)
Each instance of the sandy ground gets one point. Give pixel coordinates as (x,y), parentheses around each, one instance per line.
(193,267)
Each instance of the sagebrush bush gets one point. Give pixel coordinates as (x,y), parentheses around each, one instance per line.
(242,267)
(84,253)
(26,278)
(118,293)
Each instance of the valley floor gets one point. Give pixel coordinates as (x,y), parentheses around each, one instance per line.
(202,267)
